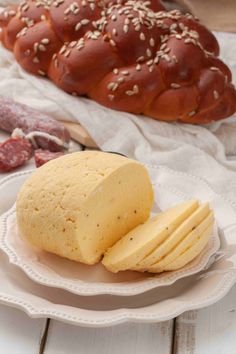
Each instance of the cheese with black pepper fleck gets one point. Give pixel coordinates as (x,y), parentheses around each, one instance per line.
(79,205)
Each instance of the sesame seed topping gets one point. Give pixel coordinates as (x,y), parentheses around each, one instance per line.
(216,94)
(115,71)
(114,32)
(149,52)
(175,86)
(78,26)
(42,48)
(63,49)
(192,113)
(35,60)
(84,22)
(129,93)
(113,17)
(138,67)
(67,53)
(136,89)
(124,72)
(43,17)
(111,97)
(36,47)
(126,28)
(152,42)
(214,68)
(121,79)
(112,43)
(41,72)
(45,41)
(142,36)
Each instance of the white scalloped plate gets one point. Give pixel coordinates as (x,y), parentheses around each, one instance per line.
(80,279)
(194,292)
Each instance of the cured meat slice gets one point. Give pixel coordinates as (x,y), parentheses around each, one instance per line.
(14,152)
(43,156)
(16,115)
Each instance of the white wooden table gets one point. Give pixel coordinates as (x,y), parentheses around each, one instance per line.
(206,331)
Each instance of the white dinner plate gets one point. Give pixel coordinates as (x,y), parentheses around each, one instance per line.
(51,270)
(160,304)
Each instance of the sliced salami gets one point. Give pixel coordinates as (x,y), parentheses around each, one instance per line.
(14,152)
(16,115)
(43,156)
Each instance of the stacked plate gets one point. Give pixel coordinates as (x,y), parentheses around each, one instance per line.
(45,285)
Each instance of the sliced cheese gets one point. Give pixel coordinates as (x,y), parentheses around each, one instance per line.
(191,222)
(192,252)
(80,204)
(188,242)
(142,240)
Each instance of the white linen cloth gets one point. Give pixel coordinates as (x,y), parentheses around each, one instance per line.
(207,152)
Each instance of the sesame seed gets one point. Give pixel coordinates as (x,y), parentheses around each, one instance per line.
(41,72)
(36,47)
(151,68)
(192,113)
(138,67)
(156,60)
(110,85)
(127,21)
(149,52)
(216,94)
(85,21)
(152,42)
(115,71)
(113,17)
(140,59)
(121,79)
(126,28)
(129,93)
(214,68)
(178,36)
(43,17)
(112,43)
(175,86)
(67,53)
(78,26)
(92,7)
(84,3)
(42,48)
(111,97)
(149,62)
(35,60)
(114,86)
(124,72)
(136,89)
(114,31)
(54,56)
(142,36)
(137,28)
(45,41)
(63,49)
(163,46)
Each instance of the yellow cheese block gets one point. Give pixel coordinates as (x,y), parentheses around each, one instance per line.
(184,245)
(80,204)
(141,241)
(161,251)
(192,252)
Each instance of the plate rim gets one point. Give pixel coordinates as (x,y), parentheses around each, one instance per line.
(84,288)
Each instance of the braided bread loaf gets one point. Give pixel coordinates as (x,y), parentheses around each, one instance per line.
(127,55)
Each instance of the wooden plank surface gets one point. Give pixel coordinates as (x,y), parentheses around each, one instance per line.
(208,331)
(121,339)
(19,334)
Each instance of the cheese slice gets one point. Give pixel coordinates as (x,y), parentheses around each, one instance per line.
(80,204)
(142,240)
(192,252)
(183,245)
(191,222)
